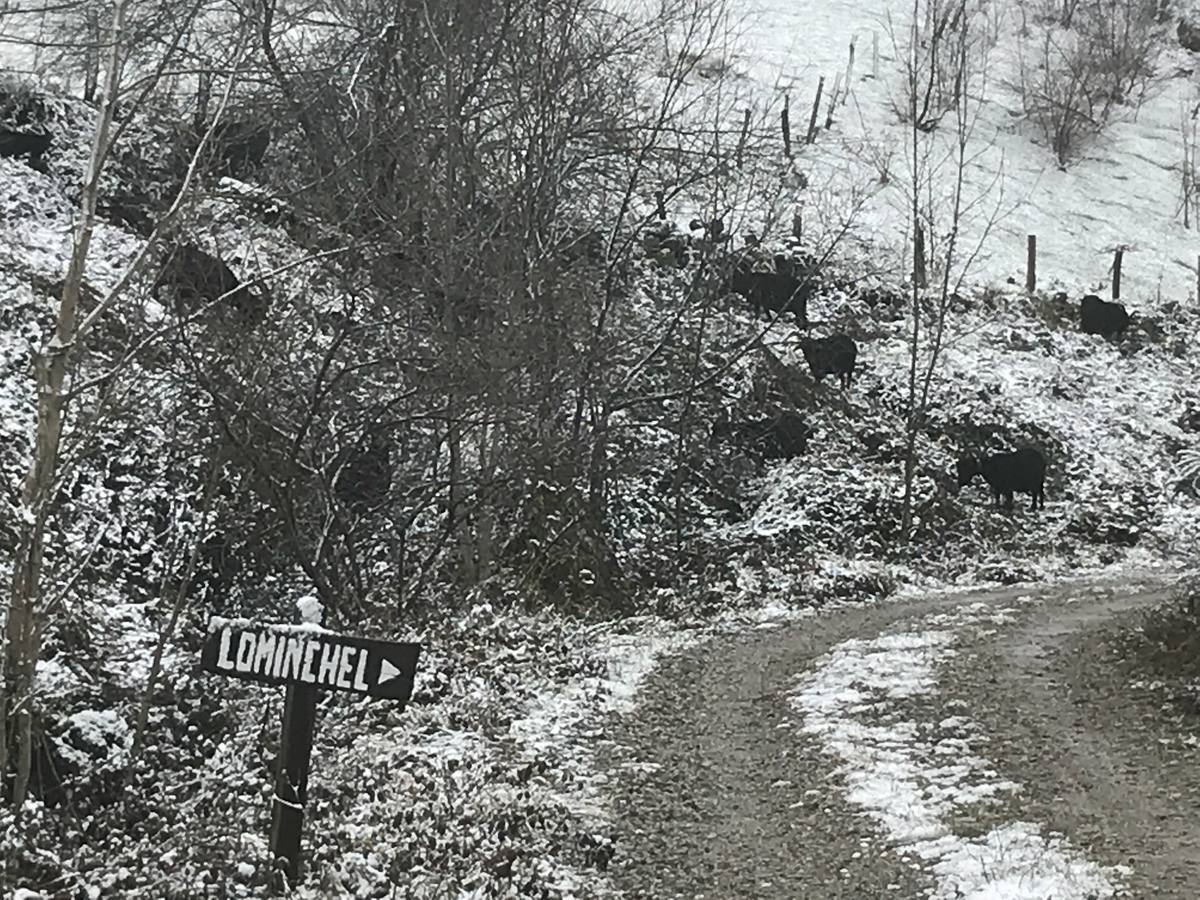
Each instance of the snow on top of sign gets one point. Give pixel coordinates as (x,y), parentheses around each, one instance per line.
(311,610)
(220,623)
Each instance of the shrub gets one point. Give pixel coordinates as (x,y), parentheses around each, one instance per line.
(938,49)
(1085,65)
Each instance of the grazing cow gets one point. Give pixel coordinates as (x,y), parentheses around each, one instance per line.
(1021,471)
(781,436)
(1101,317)
(779,291)
(16,143)
(240,147)
(833,355)
(198,278)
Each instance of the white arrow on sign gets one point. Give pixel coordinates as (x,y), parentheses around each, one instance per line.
(386,671)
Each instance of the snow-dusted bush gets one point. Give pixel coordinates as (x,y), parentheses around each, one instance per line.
(939,47)
(1084,64)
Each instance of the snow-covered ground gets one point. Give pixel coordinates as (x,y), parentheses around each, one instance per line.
(1124,189)
(1114,411)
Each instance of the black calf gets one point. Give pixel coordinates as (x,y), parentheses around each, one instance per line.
(781,436)
(33,146)
(780,291)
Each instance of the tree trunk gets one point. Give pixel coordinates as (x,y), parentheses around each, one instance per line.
(25,620)
(456,513)
(485,524)
(598,467)
(918,277)
(91,74)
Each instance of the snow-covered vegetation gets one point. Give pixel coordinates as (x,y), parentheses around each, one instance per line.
(457,392)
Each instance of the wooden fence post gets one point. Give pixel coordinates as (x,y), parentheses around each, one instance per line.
(1116,290)
(785,122)
(1031,263)
(833,99)
(849,72)
(919,277)
(741,147)
(812,122)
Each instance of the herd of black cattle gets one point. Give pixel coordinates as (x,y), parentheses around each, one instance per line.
(785,285)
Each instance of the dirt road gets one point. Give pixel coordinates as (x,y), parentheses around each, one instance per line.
(720,792)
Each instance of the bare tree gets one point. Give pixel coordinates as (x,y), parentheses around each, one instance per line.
(30,601)
(1098,58)
(491,172)
(937,224)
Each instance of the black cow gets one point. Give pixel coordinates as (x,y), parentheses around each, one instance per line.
(1101,317)
(33,146)
(781,436)
(1189,35)
(363,480)
(1021,471)
(833,355)
(198,277)
(240,147)
(779,291)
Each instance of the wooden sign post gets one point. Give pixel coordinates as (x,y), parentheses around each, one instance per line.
(291,776)
(307,659)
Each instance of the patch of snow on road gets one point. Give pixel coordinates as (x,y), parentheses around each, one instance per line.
(912,776)
(564,718)
(1012,862)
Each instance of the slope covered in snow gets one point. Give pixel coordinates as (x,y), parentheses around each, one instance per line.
(496,751)
(1123,188)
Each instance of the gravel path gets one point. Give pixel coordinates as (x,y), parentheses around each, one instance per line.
(719,793)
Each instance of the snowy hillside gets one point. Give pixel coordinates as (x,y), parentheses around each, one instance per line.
(1124,189)
(488,784)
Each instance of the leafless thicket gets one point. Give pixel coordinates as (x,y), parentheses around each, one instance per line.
(940,202)
(459,370)
(943,40)
(1083,62)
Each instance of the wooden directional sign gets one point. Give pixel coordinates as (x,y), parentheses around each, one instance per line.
(309,655)
(306,658)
